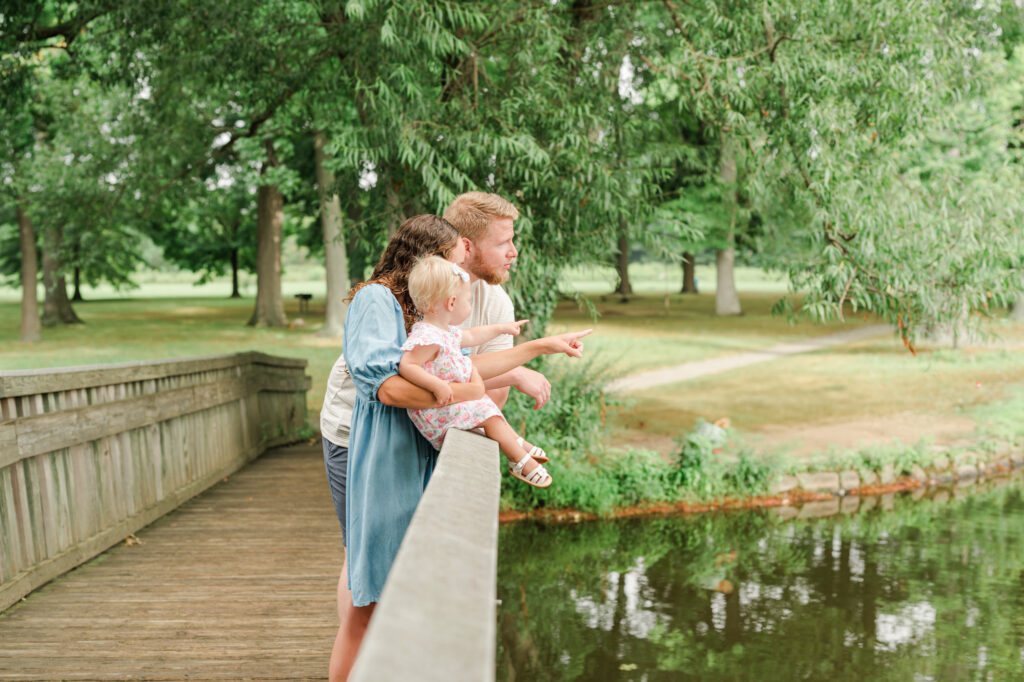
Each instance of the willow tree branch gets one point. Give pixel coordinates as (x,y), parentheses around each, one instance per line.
(69,29)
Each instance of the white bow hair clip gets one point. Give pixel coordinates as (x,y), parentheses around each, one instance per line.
(460,273)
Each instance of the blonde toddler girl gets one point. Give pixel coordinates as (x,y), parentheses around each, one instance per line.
(433,358)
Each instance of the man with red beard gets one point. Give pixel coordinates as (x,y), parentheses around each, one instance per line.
(485,223)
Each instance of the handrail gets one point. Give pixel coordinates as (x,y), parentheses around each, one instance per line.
(21,382)
(436,619)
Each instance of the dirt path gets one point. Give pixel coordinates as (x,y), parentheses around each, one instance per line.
(700,368)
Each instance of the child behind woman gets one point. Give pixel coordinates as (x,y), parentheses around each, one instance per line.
(433,357)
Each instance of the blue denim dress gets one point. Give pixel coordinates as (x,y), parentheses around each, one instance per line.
(389,461)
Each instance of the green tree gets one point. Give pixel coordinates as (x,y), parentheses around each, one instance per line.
(212,77)
(791,125)
(818,104)
(67,159)
(67,186)
(212,232)
(29,29)
(335,254)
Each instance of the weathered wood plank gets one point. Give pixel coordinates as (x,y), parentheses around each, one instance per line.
(86,489)
(155,448)
(50,568)
(46,494)
(31,382)
(24,513)
(121,485)
(239,583)
(62,474)
(89,458)
(7,409)
(55,430)
(275,379)
(10,544)
(108,484)
(8,442)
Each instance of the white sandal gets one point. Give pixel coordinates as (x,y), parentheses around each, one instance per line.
(538,478)
(534,452)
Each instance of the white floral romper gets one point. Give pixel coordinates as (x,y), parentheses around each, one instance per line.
(450,365)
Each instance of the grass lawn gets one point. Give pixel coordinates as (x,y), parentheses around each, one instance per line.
(632,336)
(861,394)
(122,330)
(168,317)
(662,278)
(806,402)
(645,333)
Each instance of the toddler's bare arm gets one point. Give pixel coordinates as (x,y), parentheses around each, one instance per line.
(474,336)
(411,368)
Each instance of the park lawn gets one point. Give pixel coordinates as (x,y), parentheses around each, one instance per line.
(651,277)
(645,334)
(840,398)
(170,317)
(868,380)
(124,330)
(628,337)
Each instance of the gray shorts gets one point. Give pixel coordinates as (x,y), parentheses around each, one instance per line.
(336,463)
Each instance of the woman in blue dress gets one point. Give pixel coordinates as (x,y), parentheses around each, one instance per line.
(389,461)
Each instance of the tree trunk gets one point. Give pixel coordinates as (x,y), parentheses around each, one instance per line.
(727,302)
(1017,310)
(233,256)
(355,251)
(51,316)
(30,326)
(77,298)
(955,331)
(56,306)
(870,592)
(689,274)
(395,218)
(335,257)
(234,273)
(625,289)
(269,308)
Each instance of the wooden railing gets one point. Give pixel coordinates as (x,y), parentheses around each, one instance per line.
(89,455)
(436,619)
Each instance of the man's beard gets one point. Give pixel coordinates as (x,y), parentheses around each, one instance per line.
(496,275)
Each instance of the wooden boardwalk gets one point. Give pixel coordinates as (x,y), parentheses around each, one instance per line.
(239,583)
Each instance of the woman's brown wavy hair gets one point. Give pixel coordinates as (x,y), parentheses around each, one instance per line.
(419,236)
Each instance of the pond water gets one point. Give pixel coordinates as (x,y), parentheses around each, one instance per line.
(931,589)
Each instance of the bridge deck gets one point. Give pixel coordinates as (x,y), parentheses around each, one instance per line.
(238,583)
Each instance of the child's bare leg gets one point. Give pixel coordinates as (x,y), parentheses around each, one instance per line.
(498,429)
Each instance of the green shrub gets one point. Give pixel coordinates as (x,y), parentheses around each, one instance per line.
(697,471)
(901,456)
(705,471)
(640,476)
(573,420)
(749,476)
(571,429)
(589,476)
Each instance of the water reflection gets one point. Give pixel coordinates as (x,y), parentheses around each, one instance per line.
(929,591)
